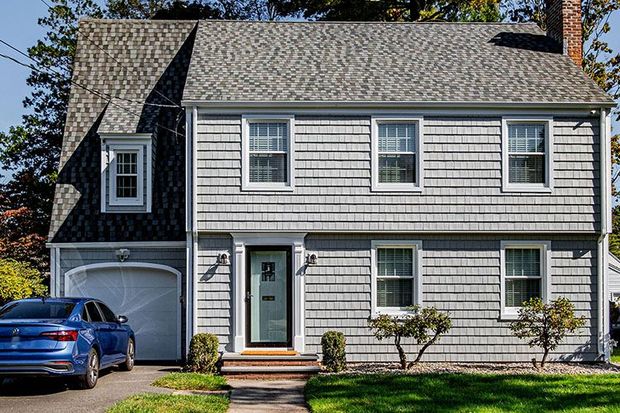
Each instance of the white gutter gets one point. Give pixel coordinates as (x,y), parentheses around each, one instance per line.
(603,241)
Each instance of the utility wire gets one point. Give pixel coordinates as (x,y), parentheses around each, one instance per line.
(57,73)
(127,70)
(99,94)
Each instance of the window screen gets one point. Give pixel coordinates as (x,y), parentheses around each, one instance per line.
(269,143)
(395,277)
(526,153)
(126,174)
(397,152)
(523,275)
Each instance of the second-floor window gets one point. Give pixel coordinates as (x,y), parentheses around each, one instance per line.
(396,154)
(527,155)
(267,153)
(126,177)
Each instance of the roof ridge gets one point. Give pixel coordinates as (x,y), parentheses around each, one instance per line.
(307,22)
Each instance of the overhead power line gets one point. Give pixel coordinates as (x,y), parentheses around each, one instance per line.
(121,65)
(105,96)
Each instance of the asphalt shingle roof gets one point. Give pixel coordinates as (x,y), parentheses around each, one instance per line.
(382,62)
(139,62)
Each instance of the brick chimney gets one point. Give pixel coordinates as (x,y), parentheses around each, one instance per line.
(564,25)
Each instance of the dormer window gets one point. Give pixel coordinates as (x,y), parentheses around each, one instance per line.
(126,173)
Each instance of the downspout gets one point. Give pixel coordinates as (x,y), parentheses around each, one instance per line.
(603,241)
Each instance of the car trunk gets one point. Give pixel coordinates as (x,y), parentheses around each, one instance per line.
(25,336)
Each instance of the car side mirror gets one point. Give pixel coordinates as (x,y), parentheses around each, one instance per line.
(122,319)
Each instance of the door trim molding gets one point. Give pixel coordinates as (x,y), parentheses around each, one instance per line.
(143,265)
(296,241)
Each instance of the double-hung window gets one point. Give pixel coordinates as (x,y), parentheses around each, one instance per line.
(396,274)
(524,274)
(126,162)
(396,154)
(267,153)
(527,154)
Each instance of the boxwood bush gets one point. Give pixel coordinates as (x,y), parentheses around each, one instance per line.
(203,354)
(333,345)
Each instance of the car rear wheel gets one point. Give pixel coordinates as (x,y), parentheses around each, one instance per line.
(90,377)
(131,356)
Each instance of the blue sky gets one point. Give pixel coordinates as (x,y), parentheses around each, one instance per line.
(18,26)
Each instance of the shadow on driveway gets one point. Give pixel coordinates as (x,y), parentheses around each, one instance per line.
(30,395)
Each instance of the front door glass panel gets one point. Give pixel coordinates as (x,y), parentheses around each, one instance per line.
(268,297)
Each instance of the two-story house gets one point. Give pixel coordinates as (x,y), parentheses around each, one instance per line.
(270,181)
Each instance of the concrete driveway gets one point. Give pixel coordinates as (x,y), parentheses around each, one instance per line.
(29,395)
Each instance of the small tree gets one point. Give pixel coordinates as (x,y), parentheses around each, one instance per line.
(546,325)
(19,280)
(424,325)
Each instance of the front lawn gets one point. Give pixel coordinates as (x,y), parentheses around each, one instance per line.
(192,381)
(463,393)
(167,403)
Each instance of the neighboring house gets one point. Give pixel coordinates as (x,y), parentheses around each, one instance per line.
(613,277)
(268,182)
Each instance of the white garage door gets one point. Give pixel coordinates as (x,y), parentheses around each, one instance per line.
(147,296)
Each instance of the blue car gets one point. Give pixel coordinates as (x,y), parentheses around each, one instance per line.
(72,337)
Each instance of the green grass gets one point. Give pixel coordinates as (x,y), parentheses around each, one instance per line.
(192,381)
(615,356)
(463,393)
(167,403)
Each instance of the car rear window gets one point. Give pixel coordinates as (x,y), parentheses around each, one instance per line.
(36,310)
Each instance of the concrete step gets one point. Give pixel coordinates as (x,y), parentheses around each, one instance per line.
(269,366)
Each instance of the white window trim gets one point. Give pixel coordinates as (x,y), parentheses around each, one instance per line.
(417,270)
(417,186)
(514,187)
(512,313)
(246,185)
(110,144)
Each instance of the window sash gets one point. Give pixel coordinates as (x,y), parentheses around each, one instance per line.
(524,275)
(268,152)
(127,182)
(395,276)
(527,156)
(397,142)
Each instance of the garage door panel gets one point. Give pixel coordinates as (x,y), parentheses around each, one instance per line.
(148,297)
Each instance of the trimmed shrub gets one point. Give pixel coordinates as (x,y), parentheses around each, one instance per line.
(425,325)
(334,355)
(546,325)
(203,354)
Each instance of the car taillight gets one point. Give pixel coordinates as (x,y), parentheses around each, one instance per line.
(64,335)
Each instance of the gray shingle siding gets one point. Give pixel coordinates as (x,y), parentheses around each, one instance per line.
(461,275)
(462,178)
(214,289)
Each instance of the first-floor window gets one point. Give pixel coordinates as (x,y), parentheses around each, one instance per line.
(525,274)
(396,275)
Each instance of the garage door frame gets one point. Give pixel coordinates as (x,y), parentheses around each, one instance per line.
(142,265)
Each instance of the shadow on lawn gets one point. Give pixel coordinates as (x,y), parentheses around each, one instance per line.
(463,392)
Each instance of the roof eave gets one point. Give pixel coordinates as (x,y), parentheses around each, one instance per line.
(394,104)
